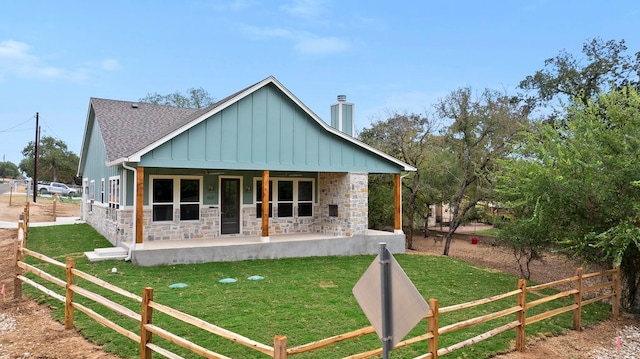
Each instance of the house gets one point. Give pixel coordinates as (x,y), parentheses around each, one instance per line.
(255,175)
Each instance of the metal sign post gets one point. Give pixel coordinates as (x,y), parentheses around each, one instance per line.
(390,301)
(385,300)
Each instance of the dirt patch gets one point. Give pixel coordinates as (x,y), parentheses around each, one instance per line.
(27,329)
(12,205)
(31,333)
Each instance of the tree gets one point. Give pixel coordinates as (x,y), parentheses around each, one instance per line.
(484,129)
(577,186)
(381,205)
(606,67)
(9,170)
(406,137)
(56,162)
(194,98)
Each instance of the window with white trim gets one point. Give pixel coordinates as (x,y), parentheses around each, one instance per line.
(305,198)
(294,197)
(285,199)
(259,199)
(114,192)
(181,193)
(189,199)
(92,190)
(102,190)
(162,199)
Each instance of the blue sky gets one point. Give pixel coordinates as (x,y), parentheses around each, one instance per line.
(384,55)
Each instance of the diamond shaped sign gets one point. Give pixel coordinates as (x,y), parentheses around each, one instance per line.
(408,307)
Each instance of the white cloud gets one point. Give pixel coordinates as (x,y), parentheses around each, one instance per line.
(321,45)
(268,33)
(304,42)
(16,59)
(234,5)
(306,9)
(110,64)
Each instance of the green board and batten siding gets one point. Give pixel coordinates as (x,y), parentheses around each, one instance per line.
(265,130)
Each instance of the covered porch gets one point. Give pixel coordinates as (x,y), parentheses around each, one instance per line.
(226,249)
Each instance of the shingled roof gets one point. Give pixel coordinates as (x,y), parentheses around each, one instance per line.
(127,126)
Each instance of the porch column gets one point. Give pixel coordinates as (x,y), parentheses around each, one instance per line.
(139,203)
(397,227)
(265,206)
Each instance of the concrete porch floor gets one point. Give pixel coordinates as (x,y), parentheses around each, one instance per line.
(226,249)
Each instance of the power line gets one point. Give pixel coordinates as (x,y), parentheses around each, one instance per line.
(20,124)
(46,124)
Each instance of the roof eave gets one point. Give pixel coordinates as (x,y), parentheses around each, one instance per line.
(120,161)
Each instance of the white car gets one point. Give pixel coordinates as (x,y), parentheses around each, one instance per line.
(56,187)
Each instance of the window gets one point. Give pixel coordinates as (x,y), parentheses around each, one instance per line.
(162,199)
(92,190)
(102,190)
(305,199)
(189,199)
(289,194)
(259,199)
(181,193)
(285,198)
(114,192)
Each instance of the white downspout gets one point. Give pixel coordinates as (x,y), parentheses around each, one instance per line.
(135,196)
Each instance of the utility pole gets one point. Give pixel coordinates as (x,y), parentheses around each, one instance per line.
(35,159)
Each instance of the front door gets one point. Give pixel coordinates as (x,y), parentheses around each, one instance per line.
(230,205)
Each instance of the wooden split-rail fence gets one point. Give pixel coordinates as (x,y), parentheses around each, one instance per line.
(609,289)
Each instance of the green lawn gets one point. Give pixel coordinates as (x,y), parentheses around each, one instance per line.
(306,299)
(492,232)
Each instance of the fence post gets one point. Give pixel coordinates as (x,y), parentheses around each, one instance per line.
(17,283)
(146,318)
(26,224)
(432,327)
(615,308)
(577,300)
(55,201)
(26,212)
(521,315)
(280,347)
(68,303)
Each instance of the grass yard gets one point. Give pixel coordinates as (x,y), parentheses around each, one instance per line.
(306,299)
(492,232)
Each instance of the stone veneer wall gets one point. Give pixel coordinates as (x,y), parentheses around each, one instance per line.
(252,226)
(207,227)
(349,191)
(115,225)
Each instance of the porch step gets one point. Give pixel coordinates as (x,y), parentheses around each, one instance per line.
(103,254)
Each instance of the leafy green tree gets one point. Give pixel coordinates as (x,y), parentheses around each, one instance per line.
(56,162)
(9,170)
(484,129)
(408,138)
(194,98)
(381,205)
(577,186)
(606,67)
